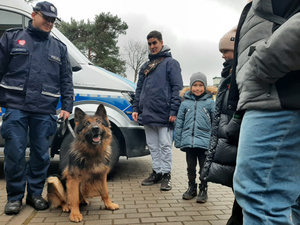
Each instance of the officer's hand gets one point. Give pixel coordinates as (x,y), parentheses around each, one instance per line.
(135,116)
(64,114)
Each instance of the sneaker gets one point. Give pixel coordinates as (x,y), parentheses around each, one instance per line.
(166,182)
(191,191)
(202,196)
(152,179)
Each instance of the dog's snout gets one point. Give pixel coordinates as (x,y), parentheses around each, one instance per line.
(95,129)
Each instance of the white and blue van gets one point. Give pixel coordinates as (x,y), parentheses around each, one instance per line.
(92,85)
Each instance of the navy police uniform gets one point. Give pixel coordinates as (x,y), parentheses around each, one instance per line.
(35,73)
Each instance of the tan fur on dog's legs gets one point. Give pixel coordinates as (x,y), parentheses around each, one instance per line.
(73,199)
(105,197)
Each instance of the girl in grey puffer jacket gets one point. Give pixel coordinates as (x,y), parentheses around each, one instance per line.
(193,130)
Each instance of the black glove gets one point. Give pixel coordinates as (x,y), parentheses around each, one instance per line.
(233,129)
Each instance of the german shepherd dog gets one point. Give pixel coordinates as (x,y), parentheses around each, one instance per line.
(85,174)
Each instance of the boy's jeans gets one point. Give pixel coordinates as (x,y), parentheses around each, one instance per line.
(267,175)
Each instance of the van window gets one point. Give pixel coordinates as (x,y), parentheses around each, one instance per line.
(11,20)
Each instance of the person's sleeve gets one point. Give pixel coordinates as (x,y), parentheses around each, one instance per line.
(66,83)
(176,84)
(280,54)
(4,55)
(179,126)
(135,106)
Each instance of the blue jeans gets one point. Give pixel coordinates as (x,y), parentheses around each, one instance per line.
(16,124)
(267,175)
(159,140)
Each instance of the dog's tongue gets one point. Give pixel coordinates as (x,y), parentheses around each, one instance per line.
(96,139)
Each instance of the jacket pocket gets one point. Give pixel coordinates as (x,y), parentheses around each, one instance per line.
(52,125)
(4,131)
(52,67)
(12,83)
(54,58)
(19,59)
(19,51)
(50,91)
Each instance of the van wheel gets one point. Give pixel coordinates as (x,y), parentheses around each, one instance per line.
(115,153)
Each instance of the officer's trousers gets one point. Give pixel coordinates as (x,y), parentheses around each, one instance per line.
(18,172)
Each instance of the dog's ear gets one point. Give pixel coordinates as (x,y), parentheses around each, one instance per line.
(102,113)
(79,115)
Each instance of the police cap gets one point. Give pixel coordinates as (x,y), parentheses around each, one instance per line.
(47,8)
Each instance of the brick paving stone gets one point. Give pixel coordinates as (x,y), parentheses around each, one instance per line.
(139,204)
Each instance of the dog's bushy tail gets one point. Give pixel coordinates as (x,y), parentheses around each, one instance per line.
(56,192)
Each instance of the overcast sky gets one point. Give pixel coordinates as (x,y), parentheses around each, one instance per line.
(191,28)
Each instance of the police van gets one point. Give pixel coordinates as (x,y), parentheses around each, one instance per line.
(92,85)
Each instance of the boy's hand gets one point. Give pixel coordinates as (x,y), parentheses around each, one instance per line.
(172,119)
(135,116)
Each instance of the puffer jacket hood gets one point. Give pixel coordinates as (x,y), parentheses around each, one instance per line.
(164,52)
(213,90)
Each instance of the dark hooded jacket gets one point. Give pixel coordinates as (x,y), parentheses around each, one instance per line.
(221,155)
(157,94)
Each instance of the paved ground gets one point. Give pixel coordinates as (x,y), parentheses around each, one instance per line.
(138,204)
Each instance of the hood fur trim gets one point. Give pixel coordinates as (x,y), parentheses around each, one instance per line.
(209,89)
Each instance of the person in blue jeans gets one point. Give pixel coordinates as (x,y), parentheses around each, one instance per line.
(35,73)
(193,130)
(267,177)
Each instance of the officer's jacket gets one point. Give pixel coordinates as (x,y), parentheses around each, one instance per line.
(34,72)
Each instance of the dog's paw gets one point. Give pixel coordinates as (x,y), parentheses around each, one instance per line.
(112,206)
(65,208)
(74,217)
(85,202)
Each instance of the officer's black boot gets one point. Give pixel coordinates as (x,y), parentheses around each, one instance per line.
(191,191)
(202,196)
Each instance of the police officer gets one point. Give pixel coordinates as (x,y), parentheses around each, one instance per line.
(34,73)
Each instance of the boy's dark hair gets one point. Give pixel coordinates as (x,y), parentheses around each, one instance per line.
(154,34)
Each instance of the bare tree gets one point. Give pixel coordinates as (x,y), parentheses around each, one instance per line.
(136,56)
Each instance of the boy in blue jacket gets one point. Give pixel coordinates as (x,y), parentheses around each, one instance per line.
(192,131)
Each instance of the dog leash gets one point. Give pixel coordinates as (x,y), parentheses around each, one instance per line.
(62,128)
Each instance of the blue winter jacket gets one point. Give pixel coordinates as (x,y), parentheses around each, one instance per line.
(157,94)
(34,72)
(194,119)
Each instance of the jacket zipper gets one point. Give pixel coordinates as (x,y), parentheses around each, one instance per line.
(193,132)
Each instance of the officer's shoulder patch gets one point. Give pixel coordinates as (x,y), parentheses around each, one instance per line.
(56,39)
